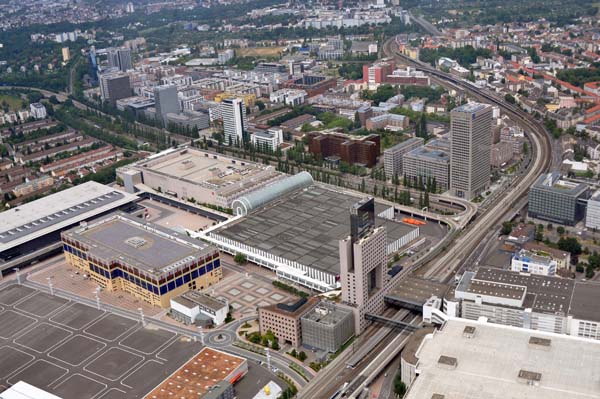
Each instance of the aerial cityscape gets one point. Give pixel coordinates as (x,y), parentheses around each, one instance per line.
(254,199)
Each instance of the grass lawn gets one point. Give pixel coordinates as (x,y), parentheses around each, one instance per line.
(13,101)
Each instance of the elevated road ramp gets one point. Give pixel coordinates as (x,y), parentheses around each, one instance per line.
(412,293)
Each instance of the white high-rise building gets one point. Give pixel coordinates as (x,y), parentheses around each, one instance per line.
(233,111)
(471,132)
(592,214)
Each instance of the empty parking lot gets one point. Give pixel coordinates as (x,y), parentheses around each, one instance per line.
(79,352)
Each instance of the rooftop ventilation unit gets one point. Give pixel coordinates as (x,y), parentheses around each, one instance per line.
(136,242)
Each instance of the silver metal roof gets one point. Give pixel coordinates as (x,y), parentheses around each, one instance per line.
(259,198)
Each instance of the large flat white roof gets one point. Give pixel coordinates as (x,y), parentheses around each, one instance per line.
(23,390)
(496,362)
(53,212)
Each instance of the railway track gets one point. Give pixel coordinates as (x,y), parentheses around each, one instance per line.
(541,162)
(328,382)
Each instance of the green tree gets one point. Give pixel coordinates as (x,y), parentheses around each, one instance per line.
(594,260)
(589,271)
(254,338)
(275,345)
(570,244)
(507,227)
(240,258)
(356,121)
(560,230)
(539,235)
(302,356)
(399,386)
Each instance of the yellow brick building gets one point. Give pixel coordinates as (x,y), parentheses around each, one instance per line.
(121,252)
(249,99)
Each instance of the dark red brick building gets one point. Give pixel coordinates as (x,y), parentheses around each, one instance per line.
(351,149)
(312,84)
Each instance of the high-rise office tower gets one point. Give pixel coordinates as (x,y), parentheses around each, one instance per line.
(471,132)
(114,86)
(233,112)
(362,263)
(120,58)
(166,101)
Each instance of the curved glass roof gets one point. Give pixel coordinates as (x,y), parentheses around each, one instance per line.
(259,198)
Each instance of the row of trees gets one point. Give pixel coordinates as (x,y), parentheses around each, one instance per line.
(428,184)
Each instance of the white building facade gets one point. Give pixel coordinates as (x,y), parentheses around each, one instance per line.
(233,112)
(527,262)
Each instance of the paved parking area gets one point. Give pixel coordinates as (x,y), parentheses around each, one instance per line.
(69,279)
(79,352)
(174,218)
(246,293)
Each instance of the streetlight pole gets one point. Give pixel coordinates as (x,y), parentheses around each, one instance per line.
(201,335)
(268,354)
(142,316)
(50,285)
(97,295)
